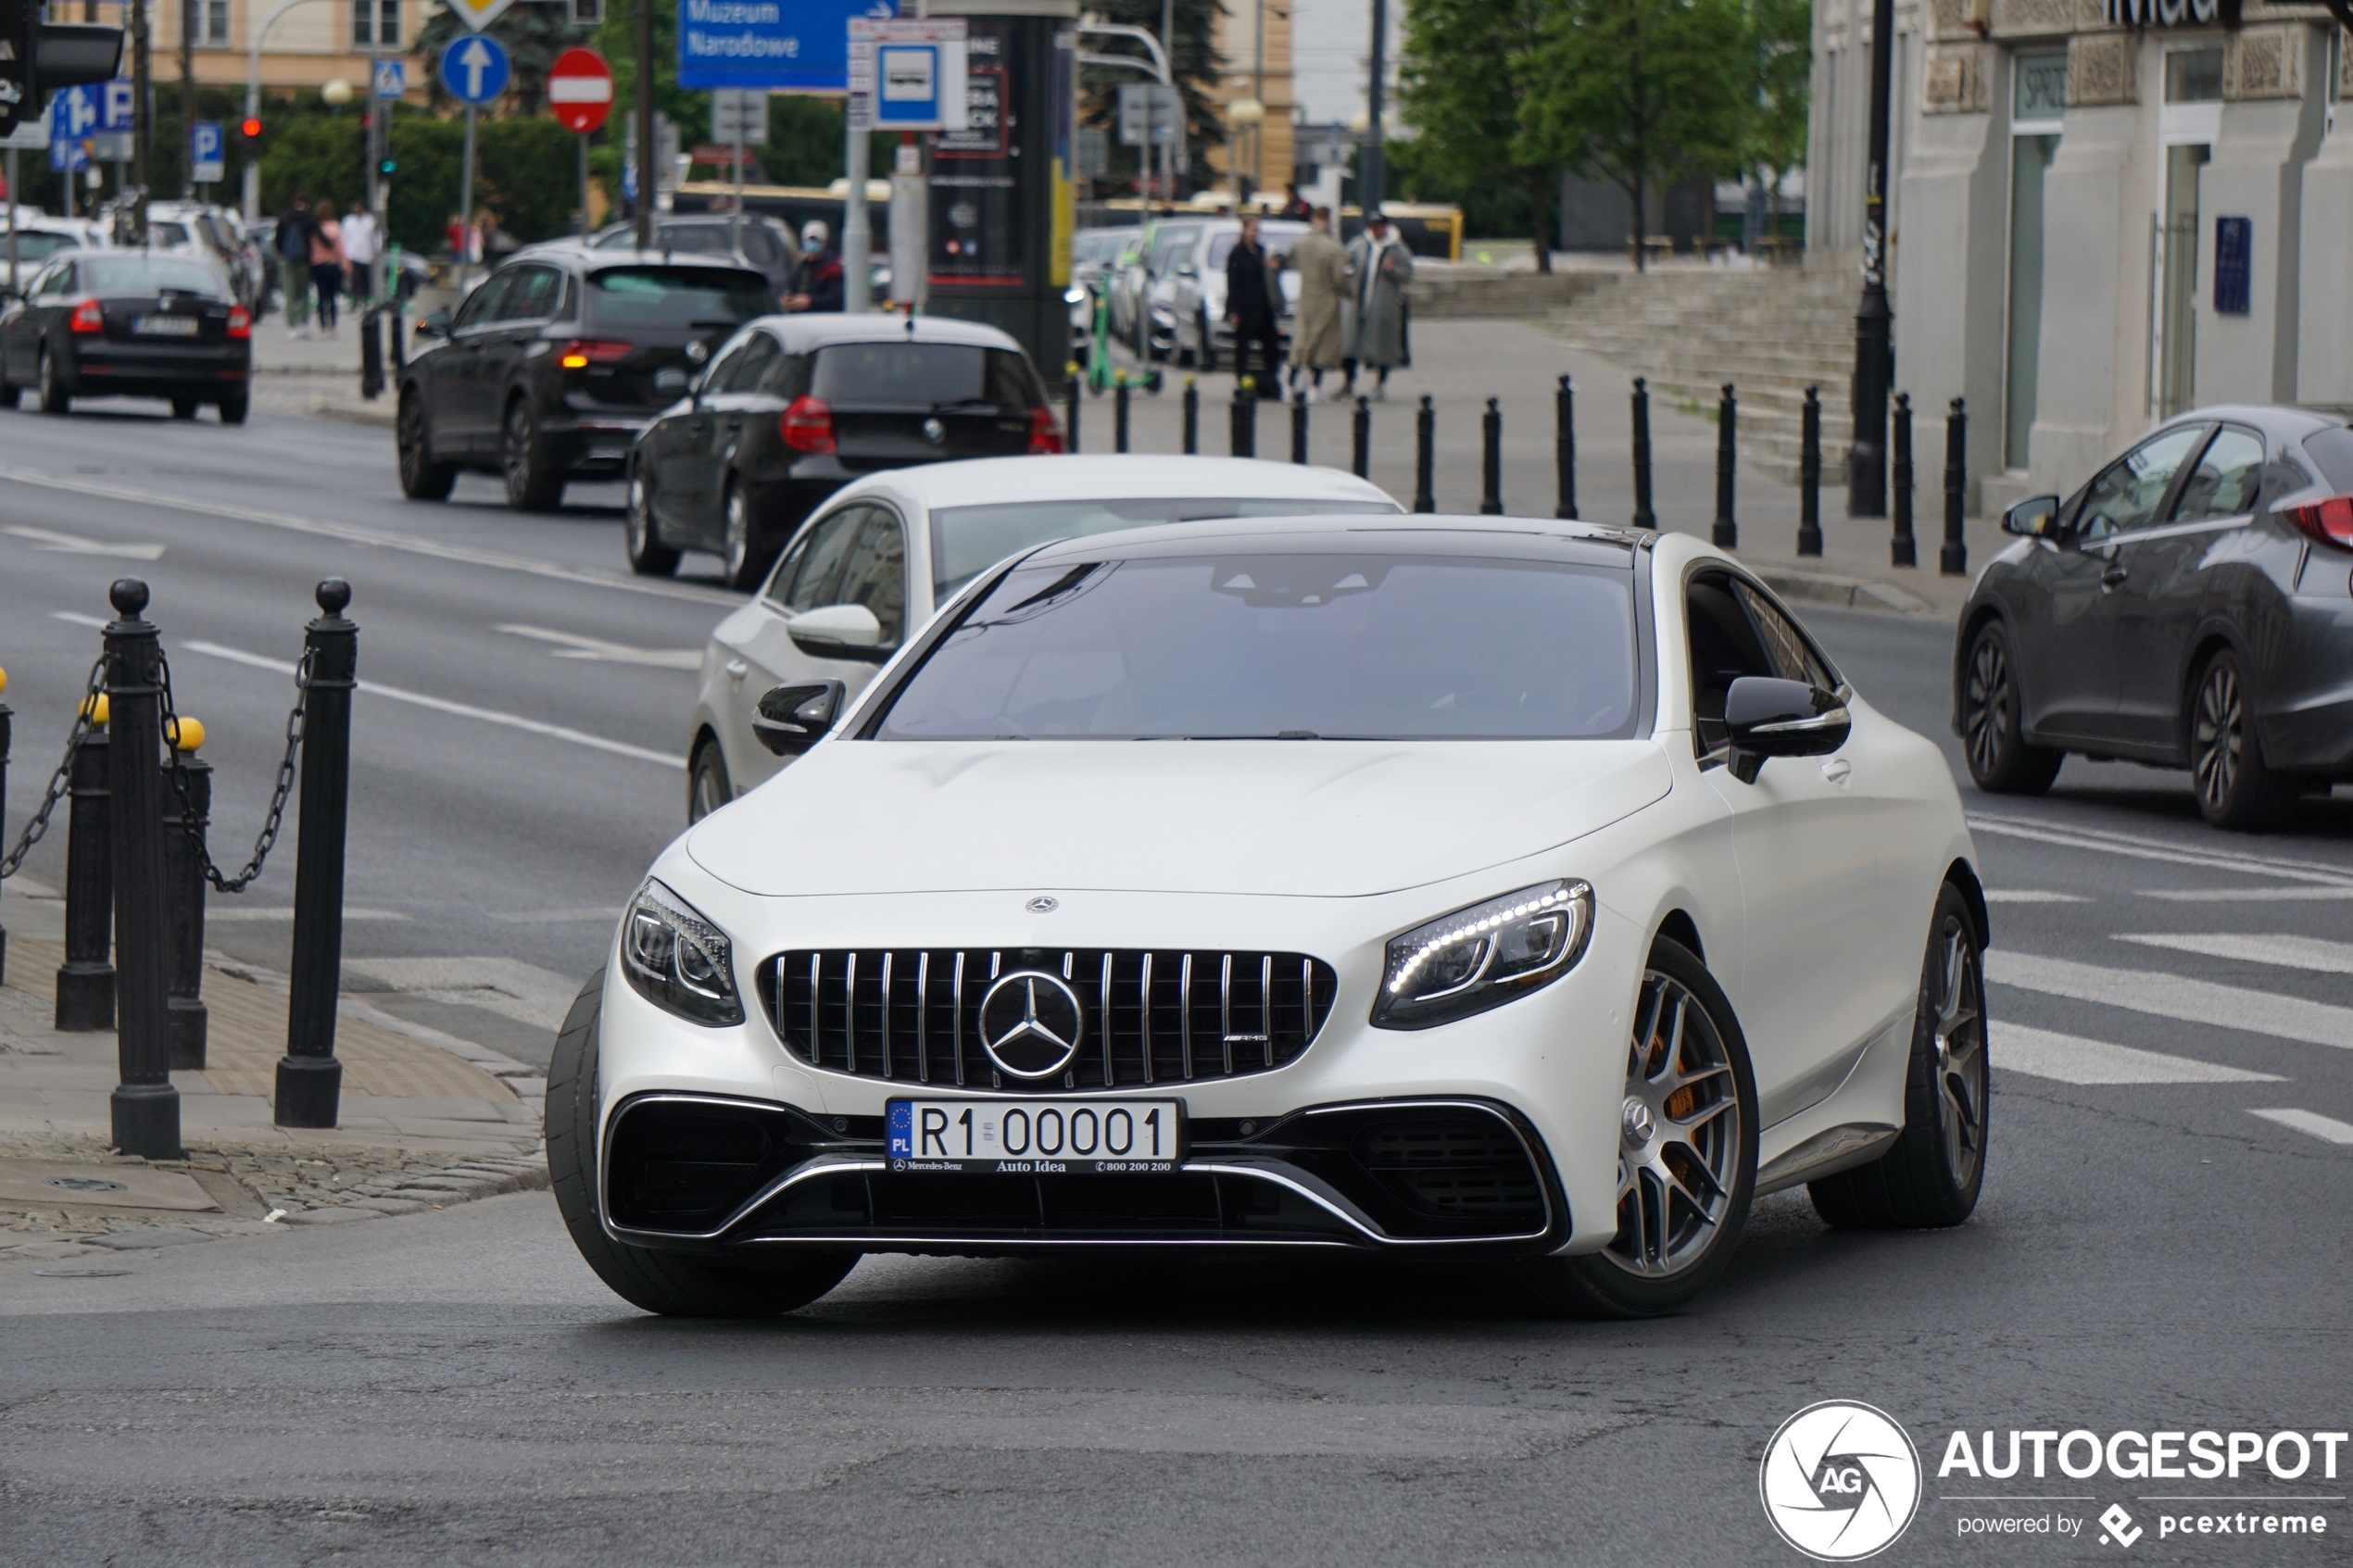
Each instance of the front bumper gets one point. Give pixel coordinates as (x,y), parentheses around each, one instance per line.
(726,1177)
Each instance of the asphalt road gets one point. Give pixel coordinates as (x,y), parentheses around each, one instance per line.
(2160,1245)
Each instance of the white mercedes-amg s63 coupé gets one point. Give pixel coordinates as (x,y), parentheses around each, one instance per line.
(1468,887)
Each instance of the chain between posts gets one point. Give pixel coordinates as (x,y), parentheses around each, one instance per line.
(35,829)
(267,838)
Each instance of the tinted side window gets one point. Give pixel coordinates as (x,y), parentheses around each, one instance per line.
(2128,492)
(2332,452)
(876,574)
(717,374)
(1724,647)
(1794,658)
(813,585)
(759,352)
(780,578)
(787,376)
(534,294)
(2229,474)
(1010,381)
(485,302)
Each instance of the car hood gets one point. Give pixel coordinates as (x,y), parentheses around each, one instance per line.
(1329,819)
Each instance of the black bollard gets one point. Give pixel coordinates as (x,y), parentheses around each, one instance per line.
(309,1078)
(1903,550)
(1299,428)
(1119,396)
(85,980)
(1072,385)
(1424,456)
(146,1106)
(1643,516)
(1242,420)
(372,356)
(399,340)
(1362,457)
(1193,418)
(1728,530)
(1809,475)
(1491,460)
(186,1021)
(1564,448)
(1953,560)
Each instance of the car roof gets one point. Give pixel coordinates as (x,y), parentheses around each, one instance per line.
(592,260)
(821,329)
(994,481)
(1334,532)
(2280,418)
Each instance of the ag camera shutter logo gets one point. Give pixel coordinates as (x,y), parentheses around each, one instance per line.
(1840,1481)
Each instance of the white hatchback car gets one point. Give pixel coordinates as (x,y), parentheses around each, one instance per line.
(1474,887)
(868,568)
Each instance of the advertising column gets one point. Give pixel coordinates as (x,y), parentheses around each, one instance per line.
(1001,189)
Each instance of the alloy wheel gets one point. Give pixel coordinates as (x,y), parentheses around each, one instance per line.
(2217,731)
(518,453)
(639,524)
(1959,1027)
(1987,709)
(1678,1134)
(738,535)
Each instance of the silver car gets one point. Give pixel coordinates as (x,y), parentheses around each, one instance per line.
(1197,293)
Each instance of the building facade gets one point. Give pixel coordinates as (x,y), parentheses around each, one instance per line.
(2101,212)
(1254,43)
(308,42)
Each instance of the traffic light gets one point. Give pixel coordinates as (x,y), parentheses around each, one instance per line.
(388,167)
(38,58)
(252,129)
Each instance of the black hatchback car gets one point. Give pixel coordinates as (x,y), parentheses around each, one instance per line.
(2192,606)
(548,370)
(112,323)
(796,406)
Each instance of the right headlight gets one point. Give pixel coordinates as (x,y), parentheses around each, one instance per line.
(678,960)
(1484,956)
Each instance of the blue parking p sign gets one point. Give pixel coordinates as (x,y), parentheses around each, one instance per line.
(206,165)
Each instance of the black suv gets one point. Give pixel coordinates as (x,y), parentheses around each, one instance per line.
(550,369)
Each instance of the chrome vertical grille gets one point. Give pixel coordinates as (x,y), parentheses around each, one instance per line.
(1152,1017)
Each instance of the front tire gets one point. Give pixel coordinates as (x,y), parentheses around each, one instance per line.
(2235,788)
(708,786)
(534,482)
(1932,1177)
(1687,1153)
(747,559)
(657,1282)
(55,399)
(640,536)
(2000,759)
(421,479)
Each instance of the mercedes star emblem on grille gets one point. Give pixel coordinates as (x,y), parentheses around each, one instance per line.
(1030,1024)
(934,431)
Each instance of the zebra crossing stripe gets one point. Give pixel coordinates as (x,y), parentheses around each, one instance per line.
(2174,996)
(2070,1059)
(2287,952)
(2326,1127)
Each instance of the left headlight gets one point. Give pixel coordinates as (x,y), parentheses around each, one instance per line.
(1484,956)
(677,960)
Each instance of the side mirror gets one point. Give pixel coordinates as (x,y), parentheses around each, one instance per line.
(789,719)
(840,632)
(1772,718)
(2035,518)
(433,324)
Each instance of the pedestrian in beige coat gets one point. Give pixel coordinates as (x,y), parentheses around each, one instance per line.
(1319,340)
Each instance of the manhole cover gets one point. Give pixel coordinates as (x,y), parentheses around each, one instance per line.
(82,1274)
(84,1184)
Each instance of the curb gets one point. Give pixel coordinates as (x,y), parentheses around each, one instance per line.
(1846,593)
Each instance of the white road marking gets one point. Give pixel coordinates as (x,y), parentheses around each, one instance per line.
(2287,952)
(2073,1059)
(2320,1126)
(2031,896)
(577,647)
(75,618)
(2249,895)
(2174,996)
(373,538)
(215,914)
(68,543)
(2137,847)
(461,709)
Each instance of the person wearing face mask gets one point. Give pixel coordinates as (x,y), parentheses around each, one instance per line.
(817,277)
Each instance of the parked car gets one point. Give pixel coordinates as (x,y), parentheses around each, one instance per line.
(39,237)
(796,406)
(2188,608)
(1537,893)
(214,234)
(1142,292)
(764,242)
(108,323)
(1094,259)
(1197,295)
(549,368)
(895,545)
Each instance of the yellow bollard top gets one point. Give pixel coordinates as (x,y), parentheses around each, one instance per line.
(3,680)
(183,734)
(95,706)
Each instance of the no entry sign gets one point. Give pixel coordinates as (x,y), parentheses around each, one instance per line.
(580,90)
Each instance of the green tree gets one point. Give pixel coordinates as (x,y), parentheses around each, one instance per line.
(1194,61)
(1637,92)
(1468,69)
(1780,41)
(533,36)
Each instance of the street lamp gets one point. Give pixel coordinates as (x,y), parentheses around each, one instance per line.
(1874,322)
(336,92)
(1245,114)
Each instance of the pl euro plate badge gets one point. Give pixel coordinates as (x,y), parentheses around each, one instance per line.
(1072,1137)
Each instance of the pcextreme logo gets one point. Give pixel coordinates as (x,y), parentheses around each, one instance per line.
(1840,1481)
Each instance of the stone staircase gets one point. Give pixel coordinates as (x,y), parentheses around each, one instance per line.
(1771,334)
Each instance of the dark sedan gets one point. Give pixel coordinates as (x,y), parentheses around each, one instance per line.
(797,406)
(2192,606)
(112,323)
(550,370)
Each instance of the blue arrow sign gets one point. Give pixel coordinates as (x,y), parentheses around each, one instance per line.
(474,68)
(74,114)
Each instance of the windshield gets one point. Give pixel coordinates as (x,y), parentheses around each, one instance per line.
(32,244)
(967,541)
(677,299)
(157,274)
(1357,646)
(922,375)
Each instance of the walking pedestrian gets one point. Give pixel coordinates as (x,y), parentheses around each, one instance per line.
(327,262)
(359,249)
(1250,306)
(1317,343)
(1382,267)
(292,245)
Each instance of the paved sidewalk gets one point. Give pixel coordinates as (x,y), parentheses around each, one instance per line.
(427,1119)
(315,376)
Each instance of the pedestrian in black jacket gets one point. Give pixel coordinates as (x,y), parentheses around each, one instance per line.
(1250,306)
